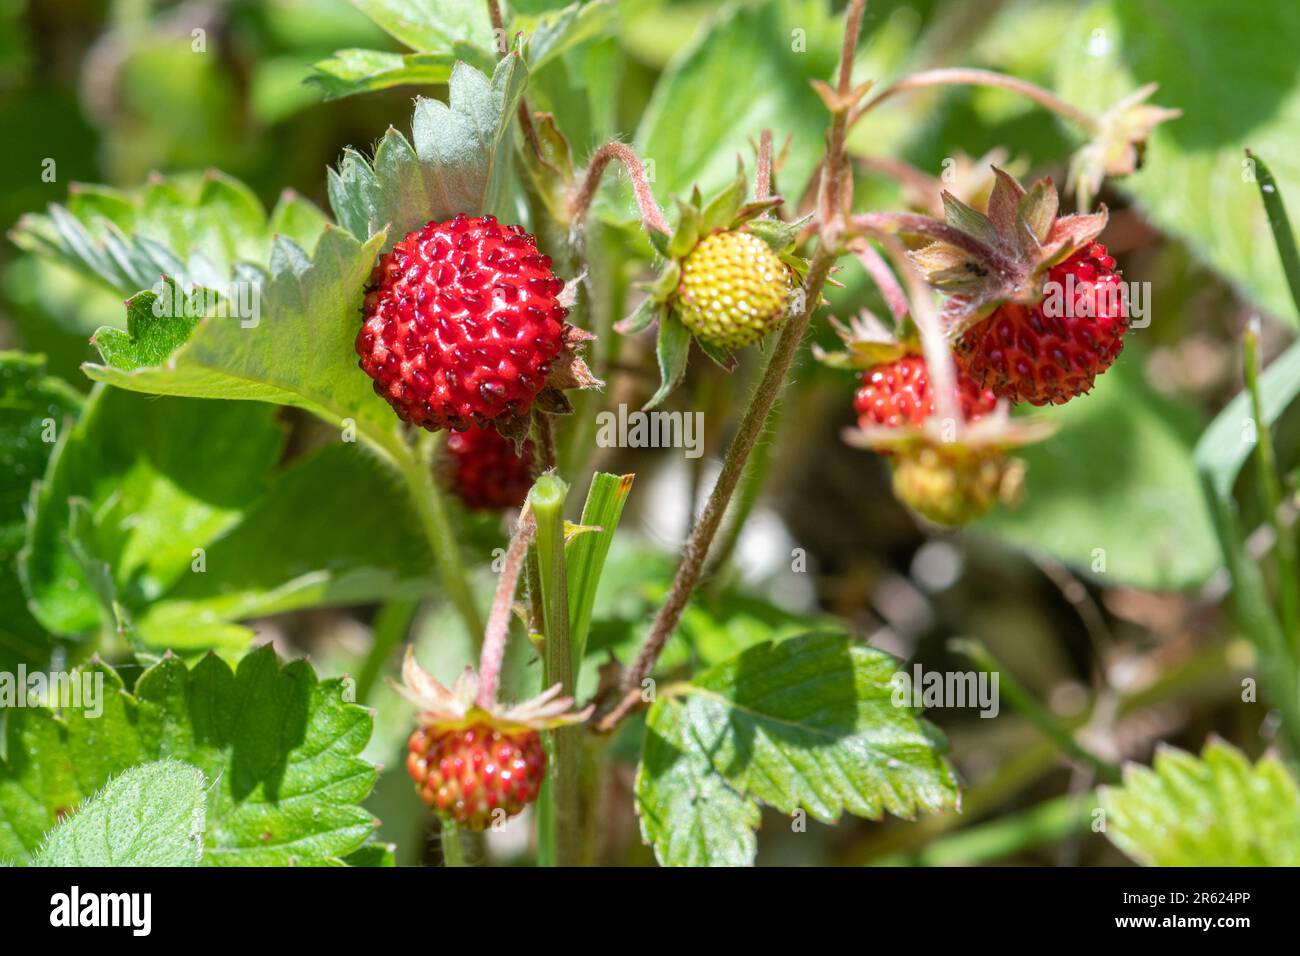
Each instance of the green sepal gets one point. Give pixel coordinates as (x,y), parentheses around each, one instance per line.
(551,172)
(688,232)
(720,213)
(672,350)
(641,318)
(777,233)
(658,241)
(665,285)
(721,356)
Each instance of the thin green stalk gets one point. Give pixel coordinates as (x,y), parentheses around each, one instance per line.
(1034,712)
(392,623)
(595,758)
(964,76)
(453,854)
(1288,569)
(1280,224)
(417,471)
(565,824)
(1044,823)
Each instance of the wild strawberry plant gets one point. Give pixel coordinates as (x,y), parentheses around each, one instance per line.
(394,405)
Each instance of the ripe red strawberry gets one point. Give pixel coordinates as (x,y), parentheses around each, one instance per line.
(462,324)
(468,774)
(1051,351)
(486,472)
(898,393)
(471,758)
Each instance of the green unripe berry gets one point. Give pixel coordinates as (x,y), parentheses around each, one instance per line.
(734,290)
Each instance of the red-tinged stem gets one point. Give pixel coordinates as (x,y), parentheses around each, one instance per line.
(701,537)
(883,223)
(651,215)
(498,625)
(751,425)
(965,76)
(883,277)
(938,357)
(763,176)
(849,46)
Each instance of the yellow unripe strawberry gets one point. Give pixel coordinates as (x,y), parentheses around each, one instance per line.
(734,289)
(952,483)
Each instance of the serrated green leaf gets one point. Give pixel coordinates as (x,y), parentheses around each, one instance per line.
(198,535)
(152,334)
(1215,810)
(279,746)
(296,348)
(423,25)
(551,35)
(33,408)
(197,226)
(1195,182)
(673,349)
(150,815)
(689,814)
(808,723)
(455,161)
(360,71)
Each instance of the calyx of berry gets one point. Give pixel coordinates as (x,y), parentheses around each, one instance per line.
(457,707)
(868,342)
(984,260)
(951,474)
(707,235)
(997,430)
(1118,147)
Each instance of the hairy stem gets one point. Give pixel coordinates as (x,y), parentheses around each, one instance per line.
(498,626)
(543,443)
(701,536)
(417,471)
(938,357)
(763,175)
(884,279)
(965,76)
(761,401)
(451,852)
(651,215)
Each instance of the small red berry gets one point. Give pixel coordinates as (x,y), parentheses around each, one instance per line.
(1035,354)
(476,775)
(485,472)
(898,393)
(462,321)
